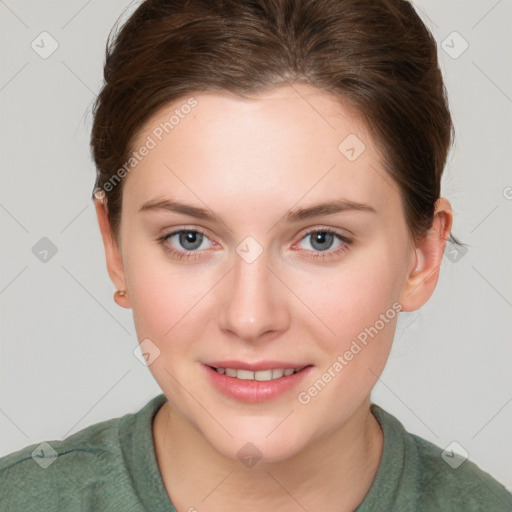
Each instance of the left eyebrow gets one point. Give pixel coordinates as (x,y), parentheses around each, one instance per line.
(339,206)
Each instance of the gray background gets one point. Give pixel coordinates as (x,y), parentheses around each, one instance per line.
(67,349)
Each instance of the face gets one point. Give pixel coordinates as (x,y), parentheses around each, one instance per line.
(255,280)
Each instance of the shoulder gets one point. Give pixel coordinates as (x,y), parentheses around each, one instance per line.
(447,476)
(441,479)
(56,474)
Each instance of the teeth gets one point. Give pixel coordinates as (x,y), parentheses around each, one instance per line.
(261,375)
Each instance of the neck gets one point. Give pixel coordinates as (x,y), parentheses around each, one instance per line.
(338,468)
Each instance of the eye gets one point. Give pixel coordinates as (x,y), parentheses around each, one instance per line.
(184,243)
(322,240)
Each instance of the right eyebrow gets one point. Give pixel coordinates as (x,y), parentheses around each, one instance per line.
(174,206)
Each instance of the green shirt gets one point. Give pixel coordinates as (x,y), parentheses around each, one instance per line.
(111,466)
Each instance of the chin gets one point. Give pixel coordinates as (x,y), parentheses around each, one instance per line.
(253,444)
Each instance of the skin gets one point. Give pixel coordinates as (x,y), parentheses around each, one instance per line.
(250,162)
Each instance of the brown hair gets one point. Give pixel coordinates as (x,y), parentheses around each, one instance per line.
(375,55)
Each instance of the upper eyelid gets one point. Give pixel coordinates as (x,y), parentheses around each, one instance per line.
(336,231)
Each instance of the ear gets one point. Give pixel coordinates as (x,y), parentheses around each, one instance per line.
(429,250)
(113,253)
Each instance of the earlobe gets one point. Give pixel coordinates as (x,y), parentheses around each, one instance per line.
(114,260)
(429,249)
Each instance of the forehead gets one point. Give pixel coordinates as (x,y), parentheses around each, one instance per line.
(291,142)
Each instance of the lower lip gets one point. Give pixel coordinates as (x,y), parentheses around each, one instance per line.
(255,391)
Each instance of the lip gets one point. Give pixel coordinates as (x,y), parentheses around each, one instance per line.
(254,367)
(253,391)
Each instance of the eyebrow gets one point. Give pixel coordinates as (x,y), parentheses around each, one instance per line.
(299,214)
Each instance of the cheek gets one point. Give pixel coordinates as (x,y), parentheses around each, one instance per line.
(351,297)
(360,306)
(167,301)
(163,295)
(358,303)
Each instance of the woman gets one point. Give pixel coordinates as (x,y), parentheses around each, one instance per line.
(268,195)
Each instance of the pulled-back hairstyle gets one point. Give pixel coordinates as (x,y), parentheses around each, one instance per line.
(375,55)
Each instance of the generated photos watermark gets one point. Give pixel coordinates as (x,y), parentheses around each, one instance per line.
(304,397)
(157,135)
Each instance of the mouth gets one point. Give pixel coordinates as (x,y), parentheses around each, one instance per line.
(261,383)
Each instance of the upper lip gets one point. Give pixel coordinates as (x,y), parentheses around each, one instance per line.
(254,367)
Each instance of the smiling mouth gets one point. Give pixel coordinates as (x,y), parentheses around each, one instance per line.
(260,375)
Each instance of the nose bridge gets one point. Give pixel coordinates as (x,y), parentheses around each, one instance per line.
(253,304)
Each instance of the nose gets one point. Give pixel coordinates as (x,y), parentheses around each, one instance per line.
(254,301)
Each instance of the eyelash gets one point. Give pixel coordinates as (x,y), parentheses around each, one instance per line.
(316,255)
